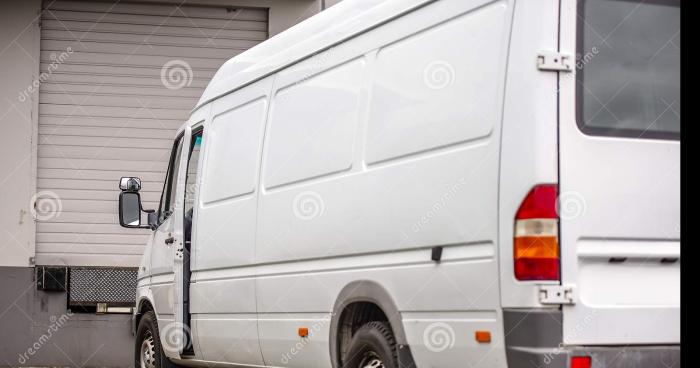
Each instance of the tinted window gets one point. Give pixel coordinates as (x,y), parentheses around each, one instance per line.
(192,168)
(629,68)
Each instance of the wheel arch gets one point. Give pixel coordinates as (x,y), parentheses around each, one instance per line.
(143,305)
(366,291)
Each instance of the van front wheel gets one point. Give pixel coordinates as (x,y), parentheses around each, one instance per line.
(148,351)
(372,346)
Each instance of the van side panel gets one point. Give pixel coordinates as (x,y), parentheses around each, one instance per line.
(424,173)
(223,297)
(529,139)
(314,119)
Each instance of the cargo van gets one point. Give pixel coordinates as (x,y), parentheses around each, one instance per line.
(426,183)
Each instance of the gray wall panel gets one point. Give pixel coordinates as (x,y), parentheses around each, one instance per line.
(106,111)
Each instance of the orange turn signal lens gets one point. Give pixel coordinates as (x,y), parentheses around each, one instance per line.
(303,332)
(482,336)
(536,247)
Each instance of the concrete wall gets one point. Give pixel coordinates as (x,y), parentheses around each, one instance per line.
(19,67)
(38,330)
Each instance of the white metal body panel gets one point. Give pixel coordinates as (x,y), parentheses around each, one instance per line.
(529,140)
(314,120)
(326,29)
(378,221)
(460,102)
(233,142)
(624,195)
(223,304)
(367,231)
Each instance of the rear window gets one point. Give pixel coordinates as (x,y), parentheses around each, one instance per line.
(628,77)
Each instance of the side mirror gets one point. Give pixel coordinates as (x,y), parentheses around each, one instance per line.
(130,184)
(130,209)
(130,205)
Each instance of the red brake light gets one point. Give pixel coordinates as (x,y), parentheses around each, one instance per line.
(536,240)
(581,362)
(541,202)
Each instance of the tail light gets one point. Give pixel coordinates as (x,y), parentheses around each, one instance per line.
(536,241)
(580,362)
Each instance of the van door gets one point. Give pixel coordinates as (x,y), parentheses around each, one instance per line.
(178,336)
(182,257)
(619,189)
(166,241)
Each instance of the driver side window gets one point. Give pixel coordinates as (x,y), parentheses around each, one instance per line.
(167,198)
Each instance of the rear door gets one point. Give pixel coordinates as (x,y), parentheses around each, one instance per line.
(619,195)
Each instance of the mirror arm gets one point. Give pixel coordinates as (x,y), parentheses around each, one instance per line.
(152,220)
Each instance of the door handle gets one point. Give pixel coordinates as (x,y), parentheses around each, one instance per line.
(170,240)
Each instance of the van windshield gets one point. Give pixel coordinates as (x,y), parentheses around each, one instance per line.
(628,68)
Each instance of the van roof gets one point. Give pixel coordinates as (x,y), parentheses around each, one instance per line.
(329,27)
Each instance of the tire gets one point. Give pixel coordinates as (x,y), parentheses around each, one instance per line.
(372,346)
(148,352)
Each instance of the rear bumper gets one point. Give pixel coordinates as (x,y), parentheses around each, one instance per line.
(533,339)
(631,356)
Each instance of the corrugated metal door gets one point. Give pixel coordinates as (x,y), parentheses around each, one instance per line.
(116,81)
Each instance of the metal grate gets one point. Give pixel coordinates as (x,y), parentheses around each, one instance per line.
(114,286)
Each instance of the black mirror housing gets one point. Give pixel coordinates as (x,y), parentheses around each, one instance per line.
(130,207)
(153,219)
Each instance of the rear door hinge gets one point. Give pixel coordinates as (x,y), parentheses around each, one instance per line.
(554,61)
(557,294)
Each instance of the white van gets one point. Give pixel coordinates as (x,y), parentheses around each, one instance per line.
(426,183)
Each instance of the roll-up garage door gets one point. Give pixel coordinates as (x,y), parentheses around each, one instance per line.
(117,79)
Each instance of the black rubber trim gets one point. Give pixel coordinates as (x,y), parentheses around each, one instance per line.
(534,338)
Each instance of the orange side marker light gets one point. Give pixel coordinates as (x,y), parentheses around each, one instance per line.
(303,332)
(482,336)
